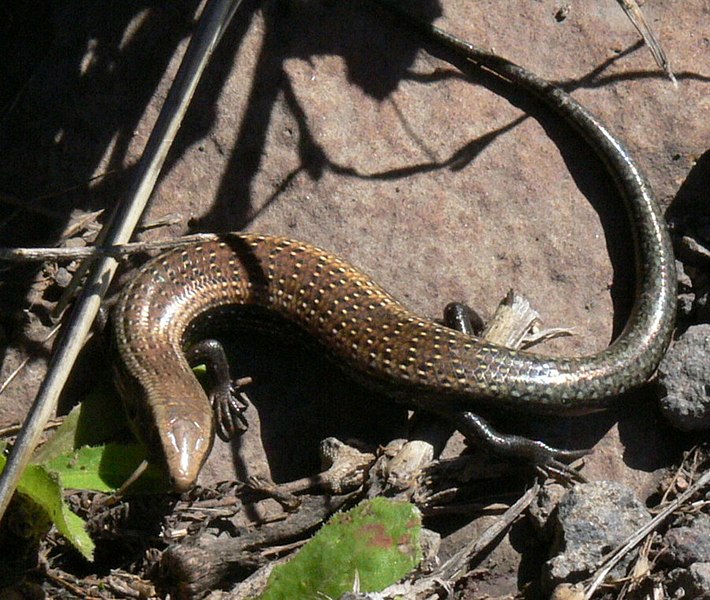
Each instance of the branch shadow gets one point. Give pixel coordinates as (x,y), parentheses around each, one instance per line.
(375,63)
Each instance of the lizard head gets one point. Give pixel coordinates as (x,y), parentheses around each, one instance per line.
(186,444)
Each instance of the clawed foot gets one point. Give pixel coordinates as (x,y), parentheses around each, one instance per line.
(228,400)
(554,469)
(229,403)
(547,458)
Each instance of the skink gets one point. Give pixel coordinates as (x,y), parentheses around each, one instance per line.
(363,327)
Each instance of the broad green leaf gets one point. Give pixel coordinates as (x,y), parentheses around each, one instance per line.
(105,469)
(44,490)
(98,419)
(376,542)
(102,419)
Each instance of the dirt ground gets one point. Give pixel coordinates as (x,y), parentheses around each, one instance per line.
(325,122)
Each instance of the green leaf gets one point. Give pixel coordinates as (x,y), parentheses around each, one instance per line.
(44,490)
(106,468)
(98,419)
(58,465)
(377,542)
(62,441)
(102,418)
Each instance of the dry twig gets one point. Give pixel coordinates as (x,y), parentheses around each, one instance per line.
(636,16)
(114,251)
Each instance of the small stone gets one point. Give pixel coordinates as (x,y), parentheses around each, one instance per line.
(700,577)
(592,520)
(684,376)
(686,304)
(62,277)
(702,304)
(685,283)
(75,242)
(688,545)
(693,251)
(562,13)
(567,591)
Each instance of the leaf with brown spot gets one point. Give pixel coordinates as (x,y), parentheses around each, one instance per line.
(377,542)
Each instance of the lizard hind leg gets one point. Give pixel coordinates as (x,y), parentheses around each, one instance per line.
(463,318)
(226,396)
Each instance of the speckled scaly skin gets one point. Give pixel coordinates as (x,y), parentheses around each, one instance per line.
(366,329)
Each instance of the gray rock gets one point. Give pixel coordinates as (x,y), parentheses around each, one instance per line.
(684,375)
(688,545)
(62,277)
(543,506)
(692,583)
(591,521)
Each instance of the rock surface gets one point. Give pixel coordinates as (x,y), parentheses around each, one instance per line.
(325,122)
(592,520)
(684,375)
(690,544)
